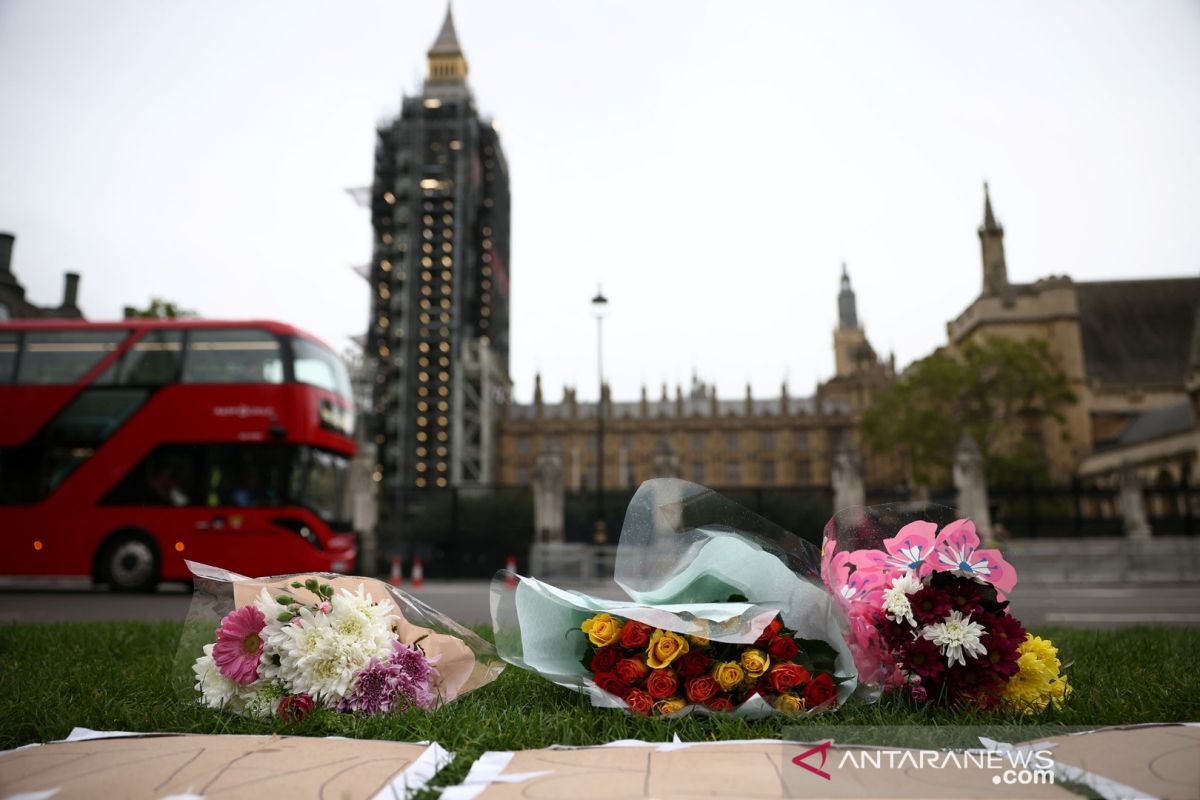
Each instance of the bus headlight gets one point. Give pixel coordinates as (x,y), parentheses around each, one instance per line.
(300,528)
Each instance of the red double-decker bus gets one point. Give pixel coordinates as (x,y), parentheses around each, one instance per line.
(127,447)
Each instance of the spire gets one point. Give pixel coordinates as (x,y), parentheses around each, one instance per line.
(447,40)
(847,306)
(991,241)
(989,219)
(446,65)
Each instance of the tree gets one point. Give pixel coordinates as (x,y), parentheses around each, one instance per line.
(1000,391)
(158,309)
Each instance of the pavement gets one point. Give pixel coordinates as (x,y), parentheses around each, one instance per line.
(1107,605)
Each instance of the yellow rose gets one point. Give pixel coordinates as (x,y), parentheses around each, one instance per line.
(789,703)
(755,662)
(727,674)
(670,705)
(698,641)
(664,647)
(601,630)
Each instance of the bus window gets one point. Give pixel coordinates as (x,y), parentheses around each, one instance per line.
(165,477)
(8,356)
(315,365)
(232,355)
(152,361)
(247,475)
(55,357)
(28,473)
(93,416)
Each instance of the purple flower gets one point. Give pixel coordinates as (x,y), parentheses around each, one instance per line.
(393,684)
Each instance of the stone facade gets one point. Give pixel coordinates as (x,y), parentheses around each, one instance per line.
(1124,345)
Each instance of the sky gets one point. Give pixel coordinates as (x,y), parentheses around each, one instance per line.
(710,165)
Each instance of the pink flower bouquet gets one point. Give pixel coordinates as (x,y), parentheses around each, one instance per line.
(928,613)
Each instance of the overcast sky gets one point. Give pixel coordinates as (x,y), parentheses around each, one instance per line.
(710,164)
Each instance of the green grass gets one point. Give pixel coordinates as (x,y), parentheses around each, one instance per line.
(116,676)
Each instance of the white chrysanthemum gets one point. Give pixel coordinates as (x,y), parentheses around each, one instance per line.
(217,691)
(383,612)
(955,635)
(320,653)
(895,598)
(271,634)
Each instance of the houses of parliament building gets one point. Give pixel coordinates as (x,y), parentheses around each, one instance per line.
(781,441)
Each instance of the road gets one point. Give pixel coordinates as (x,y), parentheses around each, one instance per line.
(1088,606)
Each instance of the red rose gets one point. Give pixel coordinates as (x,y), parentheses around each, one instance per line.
(295,707)
(770,632)
(639,702)
(692,664)
(819,690)
(634,635)
(631,670)
(605,659)
(784,677)
(783,649)
(700,690)
(662,683)
(612,684)
(721,703)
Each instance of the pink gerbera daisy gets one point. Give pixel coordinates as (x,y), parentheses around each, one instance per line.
(239,645)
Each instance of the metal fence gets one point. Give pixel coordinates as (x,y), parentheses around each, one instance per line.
(459,533)
(1032,511)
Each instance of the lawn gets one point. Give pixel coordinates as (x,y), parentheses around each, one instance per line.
(116,676)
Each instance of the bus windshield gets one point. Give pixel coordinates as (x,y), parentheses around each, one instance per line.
(325,485)
(317,366)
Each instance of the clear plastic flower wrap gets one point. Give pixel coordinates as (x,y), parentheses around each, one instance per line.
(286,644)
(726,612)
(927,607)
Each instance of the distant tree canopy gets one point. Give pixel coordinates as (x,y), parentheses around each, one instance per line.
(998,390)
(158,309)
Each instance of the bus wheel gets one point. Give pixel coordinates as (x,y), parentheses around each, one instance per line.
(130,563)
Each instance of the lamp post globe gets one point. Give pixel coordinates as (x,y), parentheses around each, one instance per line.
(599,307)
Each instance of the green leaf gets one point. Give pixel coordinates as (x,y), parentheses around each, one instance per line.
(816,655)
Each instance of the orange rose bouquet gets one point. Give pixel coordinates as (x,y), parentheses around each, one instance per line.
(659,672)
(726,613)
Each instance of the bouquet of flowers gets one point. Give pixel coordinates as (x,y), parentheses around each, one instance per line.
(725,612)
(928,614)
(659,672)
(293,643)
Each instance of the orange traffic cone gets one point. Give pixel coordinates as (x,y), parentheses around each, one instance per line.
(511,566)
(418,574)
(396,578)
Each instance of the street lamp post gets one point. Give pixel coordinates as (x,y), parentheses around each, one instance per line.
(599,306)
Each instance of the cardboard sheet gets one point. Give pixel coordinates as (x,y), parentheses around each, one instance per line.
(141,767)
(1159,761)
(748,770)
